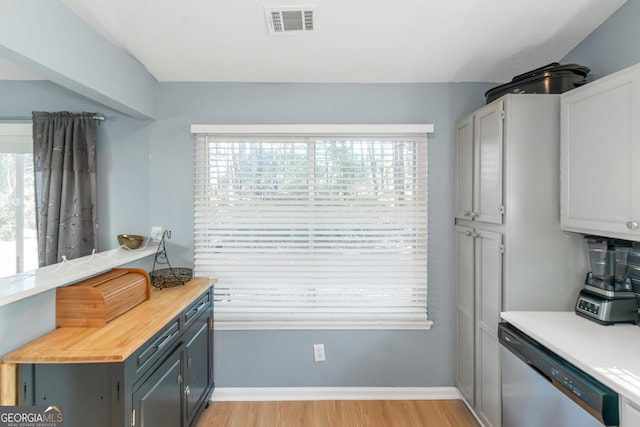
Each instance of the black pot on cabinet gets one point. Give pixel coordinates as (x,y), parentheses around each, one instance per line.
(551,78)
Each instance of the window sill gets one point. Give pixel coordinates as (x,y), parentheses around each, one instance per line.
(298,321)
(23,285)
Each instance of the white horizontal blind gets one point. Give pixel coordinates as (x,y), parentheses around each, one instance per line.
(306,231)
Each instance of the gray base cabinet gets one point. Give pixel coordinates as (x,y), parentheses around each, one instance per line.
(165,383)
(197,369)
(157,401)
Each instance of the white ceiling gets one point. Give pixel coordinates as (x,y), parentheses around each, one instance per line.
(353,40)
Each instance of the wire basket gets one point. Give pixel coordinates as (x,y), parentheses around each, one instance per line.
(169,277)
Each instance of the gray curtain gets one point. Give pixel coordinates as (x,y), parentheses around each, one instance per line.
(64,155)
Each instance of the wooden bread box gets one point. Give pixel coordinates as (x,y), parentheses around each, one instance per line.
(94,302)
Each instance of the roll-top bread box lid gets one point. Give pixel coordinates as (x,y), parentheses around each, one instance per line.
(96,301)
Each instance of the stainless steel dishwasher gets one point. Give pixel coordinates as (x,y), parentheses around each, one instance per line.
(540,388)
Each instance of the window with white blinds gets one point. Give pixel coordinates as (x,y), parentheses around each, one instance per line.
(313,230)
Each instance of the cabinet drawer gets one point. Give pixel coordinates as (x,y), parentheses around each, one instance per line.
(154,348)
(198,306)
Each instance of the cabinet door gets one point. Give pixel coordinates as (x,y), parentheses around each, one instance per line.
(487,158)
(629,414)
(488,286)
(600,152)
(463,279)
(488,278)
(464,169)
(488,400)
(198,367)
(83,390)
(158,401)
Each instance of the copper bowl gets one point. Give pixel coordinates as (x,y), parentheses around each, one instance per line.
(131,241)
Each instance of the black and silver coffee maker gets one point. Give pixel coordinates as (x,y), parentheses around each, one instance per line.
(608,296)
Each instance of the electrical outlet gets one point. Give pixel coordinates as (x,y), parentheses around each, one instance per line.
(156,233)
(318,352)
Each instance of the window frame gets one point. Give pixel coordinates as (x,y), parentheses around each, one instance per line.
(259,320)
(16,138)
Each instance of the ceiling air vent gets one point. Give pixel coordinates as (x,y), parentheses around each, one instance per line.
(290,19)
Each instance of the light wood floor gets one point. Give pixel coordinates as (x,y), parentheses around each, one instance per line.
(339,413)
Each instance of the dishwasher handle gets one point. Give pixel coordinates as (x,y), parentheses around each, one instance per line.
(516,344)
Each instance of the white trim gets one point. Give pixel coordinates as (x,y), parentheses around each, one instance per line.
(248,394)
(234,322)
(473,411)
(16,129)
(312,129)
(16,138)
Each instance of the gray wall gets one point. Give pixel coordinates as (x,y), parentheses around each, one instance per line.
(145,178)
(354,358)
(612,46)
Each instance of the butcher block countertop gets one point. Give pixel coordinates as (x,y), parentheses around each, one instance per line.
(119,339)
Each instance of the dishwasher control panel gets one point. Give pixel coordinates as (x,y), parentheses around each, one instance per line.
(566,382)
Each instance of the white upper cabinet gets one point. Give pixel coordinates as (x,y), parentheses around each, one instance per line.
(600,157)
(479,165)
(487,163)
(629,413)
(464,168)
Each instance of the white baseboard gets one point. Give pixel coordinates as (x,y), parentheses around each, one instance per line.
(247,394)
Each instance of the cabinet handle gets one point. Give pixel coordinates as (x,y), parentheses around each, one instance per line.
(468,233)
(632,225)
(467,213)
(476,235)
(162,342)
(187,391)
(473,215)
(188,316)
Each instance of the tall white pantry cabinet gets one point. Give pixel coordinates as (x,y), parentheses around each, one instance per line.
(510,253)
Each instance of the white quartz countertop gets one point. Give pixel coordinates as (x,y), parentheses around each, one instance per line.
(611,354)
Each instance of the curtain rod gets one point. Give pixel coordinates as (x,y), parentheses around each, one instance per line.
(98,117)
